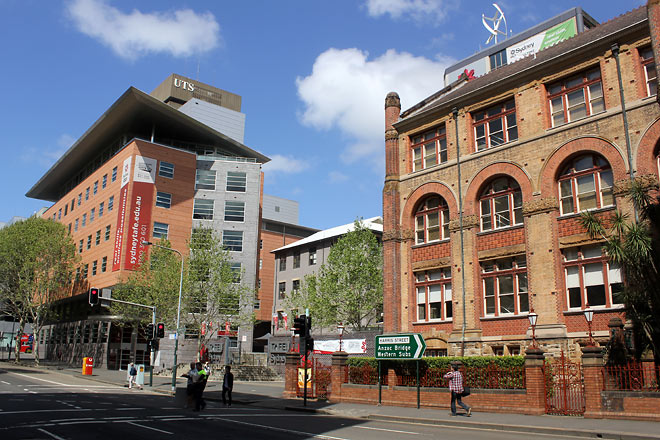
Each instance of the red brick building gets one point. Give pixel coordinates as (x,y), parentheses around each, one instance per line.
(486,179)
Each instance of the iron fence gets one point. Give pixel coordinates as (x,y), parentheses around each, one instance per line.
(365,375)
(490,377)
(634,376)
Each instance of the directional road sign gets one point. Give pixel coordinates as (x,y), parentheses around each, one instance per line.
(402,346)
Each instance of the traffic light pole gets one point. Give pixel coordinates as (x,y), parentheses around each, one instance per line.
(153,322)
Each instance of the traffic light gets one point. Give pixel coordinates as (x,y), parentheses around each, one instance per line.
(94,295)
(160,330)
(309,344)
(149,332)
(300,326)
(308,329)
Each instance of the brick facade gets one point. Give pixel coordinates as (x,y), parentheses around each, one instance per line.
(534,161)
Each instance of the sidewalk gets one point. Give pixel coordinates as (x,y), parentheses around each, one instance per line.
(268,395)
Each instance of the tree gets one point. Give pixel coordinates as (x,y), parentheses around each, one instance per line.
(212,293)
(635,246)
(37,260)
(216,294)
(348,288)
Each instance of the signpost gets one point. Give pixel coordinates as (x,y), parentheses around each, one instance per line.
(399,347)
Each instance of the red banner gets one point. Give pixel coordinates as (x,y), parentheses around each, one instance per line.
(119,232)
(139,223)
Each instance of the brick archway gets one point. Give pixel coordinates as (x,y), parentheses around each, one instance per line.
(488,173)
(548,176)
(419,193)
(647,150)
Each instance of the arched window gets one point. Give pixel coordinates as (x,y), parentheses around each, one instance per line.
(432,220)
(501,204)
(586,183)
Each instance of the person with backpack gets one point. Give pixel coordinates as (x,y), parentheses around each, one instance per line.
(456,388)
(132,376)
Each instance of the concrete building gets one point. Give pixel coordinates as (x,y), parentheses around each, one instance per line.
(486,179)
(294,261)
(149,169)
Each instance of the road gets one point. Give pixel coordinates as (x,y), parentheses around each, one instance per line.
(50,405)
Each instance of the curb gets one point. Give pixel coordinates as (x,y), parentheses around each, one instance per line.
(517,428)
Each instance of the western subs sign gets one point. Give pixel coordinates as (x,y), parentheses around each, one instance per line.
(134,219)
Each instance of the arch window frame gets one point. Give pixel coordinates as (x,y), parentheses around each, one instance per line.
(574,186)
(425,225)
(492,208)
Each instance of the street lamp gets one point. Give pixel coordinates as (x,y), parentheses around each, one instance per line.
(178,311)
(340,329)
(532,321)
(589,316)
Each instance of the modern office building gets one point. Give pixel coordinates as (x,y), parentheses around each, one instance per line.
(152,166)
(486,179)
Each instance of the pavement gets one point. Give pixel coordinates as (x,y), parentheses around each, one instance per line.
(268,395)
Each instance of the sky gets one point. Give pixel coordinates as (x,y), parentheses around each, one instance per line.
(313,76)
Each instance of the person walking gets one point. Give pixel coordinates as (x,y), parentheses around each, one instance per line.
(132,376)
(199,384)
(227,385)
(190,386)
(456,388)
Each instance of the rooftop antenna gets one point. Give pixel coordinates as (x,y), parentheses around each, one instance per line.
(494,27)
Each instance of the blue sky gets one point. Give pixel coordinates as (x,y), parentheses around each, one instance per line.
(313,76)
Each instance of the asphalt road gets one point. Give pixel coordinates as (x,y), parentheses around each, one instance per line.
(49,405)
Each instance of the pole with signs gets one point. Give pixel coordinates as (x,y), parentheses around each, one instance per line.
(405,346)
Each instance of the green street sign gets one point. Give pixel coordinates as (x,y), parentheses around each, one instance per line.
(402,346)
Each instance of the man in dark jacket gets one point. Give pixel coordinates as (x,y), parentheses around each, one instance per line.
(227,385)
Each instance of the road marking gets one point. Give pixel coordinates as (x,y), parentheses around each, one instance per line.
(45,410)
(291,431)
(388,430)
(149,427)
(6,383)
(50,434)
(69,420)
(129,409)
(119,418)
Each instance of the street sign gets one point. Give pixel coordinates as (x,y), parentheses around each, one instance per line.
(402,346)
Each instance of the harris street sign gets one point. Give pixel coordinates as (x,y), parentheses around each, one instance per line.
(402,346)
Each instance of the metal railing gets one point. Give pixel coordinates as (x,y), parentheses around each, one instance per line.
(634,376)
(365,375)
(490,377)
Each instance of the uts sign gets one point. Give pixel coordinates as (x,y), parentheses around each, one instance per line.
(185,85)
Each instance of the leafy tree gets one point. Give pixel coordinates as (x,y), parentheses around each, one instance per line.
(348,288)
(212,293)
(635,246)
(37,260)
(215,292)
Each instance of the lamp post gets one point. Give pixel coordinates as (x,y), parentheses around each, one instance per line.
(589,316)
(178,311)
(532,322)
(340,329)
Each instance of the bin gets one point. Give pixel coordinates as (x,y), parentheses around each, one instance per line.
(88,366)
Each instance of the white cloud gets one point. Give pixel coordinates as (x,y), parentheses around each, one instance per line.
(337,177)
(347,90)
(285,164)
(180,33)
(46,157)
(428,11)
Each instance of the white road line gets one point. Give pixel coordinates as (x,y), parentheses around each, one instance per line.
(6,383)
(45,411)
(118,418)
(50,434)
(291,431)
(129,409)
(388,430)
(149,427)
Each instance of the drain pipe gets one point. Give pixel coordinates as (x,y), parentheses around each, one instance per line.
(631,173)
(460,226)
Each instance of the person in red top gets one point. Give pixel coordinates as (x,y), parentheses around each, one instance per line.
(456,388)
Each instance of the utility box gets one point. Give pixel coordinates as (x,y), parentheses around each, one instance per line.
(88,366)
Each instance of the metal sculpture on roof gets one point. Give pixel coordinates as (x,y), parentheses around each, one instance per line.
(494,27)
